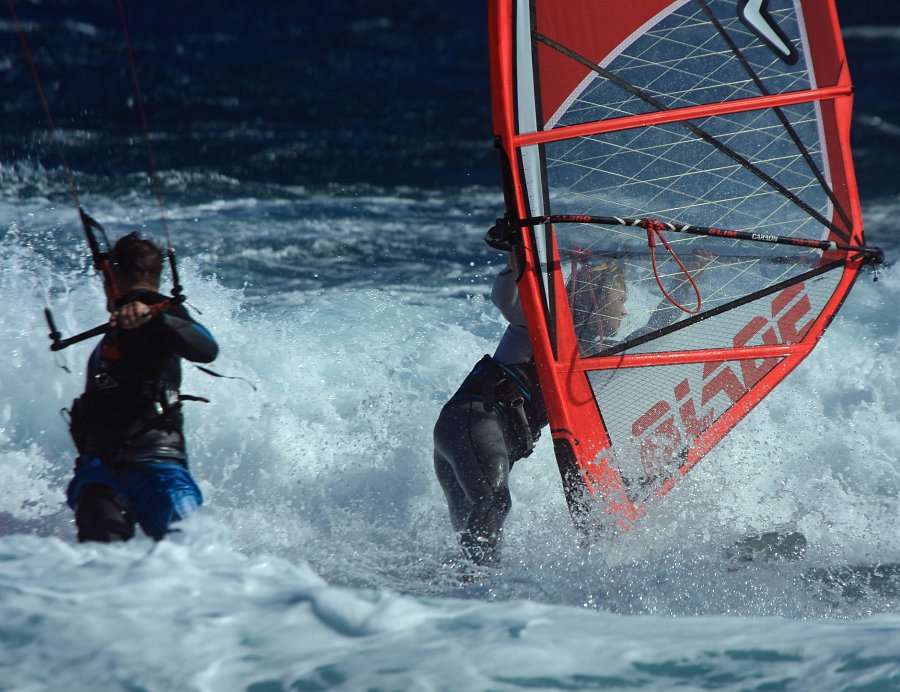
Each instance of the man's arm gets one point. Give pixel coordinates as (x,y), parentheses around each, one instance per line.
(189,339)
(505,294)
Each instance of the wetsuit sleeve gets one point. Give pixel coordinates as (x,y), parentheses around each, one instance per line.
(189,339)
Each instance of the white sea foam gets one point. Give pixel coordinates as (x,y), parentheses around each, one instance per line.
(318,560)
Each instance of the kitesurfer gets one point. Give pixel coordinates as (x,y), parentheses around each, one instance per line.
(127,425)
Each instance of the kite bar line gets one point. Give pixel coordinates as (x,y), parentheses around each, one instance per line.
(151,159)
(870,255)
(94,232)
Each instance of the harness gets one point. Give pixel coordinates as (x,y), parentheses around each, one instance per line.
(116,419)
(510,395)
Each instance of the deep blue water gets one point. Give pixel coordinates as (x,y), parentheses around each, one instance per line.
(294,92)
(313,92)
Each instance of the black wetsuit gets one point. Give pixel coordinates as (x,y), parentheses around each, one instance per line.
(129,418)
(491,422)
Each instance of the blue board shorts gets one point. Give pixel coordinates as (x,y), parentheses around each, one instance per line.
(156,493)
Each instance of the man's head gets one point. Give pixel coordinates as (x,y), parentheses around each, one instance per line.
(609,282)
(138,262)
(597,297)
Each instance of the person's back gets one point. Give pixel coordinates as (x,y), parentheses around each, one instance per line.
(131,408)
(128,424)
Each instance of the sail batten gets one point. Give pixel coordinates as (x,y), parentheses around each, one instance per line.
(686,113)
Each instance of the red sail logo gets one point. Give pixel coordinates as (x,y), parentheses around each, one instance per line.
(669,426)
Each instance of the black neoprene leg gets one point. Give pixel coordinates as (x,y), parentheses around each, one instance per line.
(481,539)
(469,441)
(102,515)
(459,505)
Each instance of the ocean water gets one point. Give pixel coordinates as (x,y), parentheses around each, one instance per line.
(328,175)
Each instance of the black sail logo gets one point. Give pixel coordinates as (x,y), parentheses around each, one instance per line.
(755,15)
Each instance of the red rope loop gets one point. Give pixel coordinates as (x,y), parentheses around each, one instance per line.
(655,229)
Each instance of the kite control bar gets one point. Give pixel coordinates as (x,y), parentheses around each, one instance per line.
(870,255)
(103,263)
(59,343)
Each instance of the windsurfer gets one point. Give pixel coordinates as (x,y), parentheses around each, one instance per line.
(128,425)
(491,422)
(498,412)
(597,296)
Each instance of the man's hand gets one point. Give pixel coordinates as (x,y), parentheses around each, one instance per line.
(131,316)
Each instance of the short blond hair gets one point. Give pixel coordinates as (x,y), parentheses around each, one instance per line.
(589,290)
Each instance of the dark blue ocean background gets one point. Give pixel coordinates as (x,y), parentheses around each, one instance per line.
(314,93)
(328,173)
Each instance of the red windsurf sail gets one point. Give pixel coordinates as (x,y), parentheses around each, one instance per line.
(621,123)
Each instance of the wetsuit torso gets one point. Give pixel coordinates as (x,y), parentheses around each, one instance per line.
(131,409)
